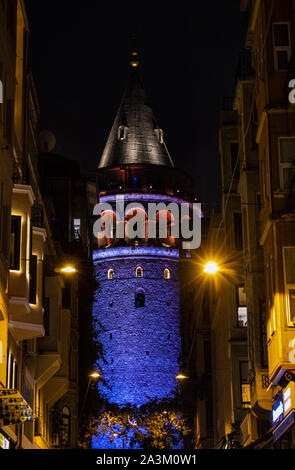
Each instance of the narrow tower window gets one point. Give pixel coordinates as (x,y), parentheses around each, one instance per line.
(166,273)
(110,274)
(139,272)
(160,135)
(122,132)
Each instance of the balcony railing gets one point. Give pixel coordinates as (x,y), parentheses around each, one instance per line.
(37,215)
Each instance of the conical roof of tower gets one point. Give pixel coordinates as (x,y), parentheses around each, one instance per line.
(135,137)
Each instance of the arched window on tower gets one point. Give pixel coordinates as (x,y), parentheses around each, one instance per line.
(165,220)
(136,226)
(66,426)
(139,271)
(105,231)
(110,274)
(166,273)
(139,298)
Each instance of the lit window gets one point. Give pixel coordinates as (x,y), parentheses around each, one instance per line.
(242,309)
(139,272)
(77,228)
(66,426)
(122,132)
(166,273)
(281,45)
(270,292)
(244,383)
(160,135)
(289,260)
(11,372)
(110,274)
(287,162)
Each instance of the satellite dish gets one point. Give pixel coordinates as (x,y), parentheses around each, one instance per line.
(46,141)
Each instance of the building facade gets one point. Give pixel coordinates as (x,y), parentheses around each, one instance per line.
(38,304)
(273,60)
(256,141)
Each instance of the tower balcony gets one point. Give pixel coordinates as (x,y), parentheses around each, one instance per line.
(136,251)
(145,178)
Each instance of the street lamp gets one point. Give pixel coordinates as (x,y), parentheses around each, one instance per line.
(181,376)
(211,267)
(68,270)
(94,375)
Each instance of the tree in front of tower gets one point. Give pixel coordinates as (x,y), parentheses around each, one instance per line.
(155,425)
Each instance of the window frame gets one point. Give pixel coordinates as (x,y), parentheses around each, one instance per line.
(66,419)
(11,370)
(244,404)
(283,165)
(287,288)
(111,274)
(276,49)
(239,305)
(15,264)
(122,132)
(77,228)
(33,282)
(167,274)
(270,289)
(139,269)
(139,303)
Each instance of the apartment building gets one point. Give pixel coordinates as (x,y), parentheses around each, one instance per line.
(39,304)
(256,230)
(270,39)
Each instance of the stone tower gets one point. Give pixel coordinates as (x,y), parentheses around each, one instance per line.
(137,302)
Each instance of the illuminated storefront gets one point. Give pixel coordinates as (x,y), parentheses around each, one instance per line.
(283,411)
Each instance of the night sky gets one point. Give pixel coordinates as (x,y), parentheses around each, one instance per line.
(79,53)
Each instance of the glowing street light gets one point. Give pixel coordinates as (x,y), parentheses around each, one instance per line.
(68,270)
(94,375)
(211,267)
(181,376)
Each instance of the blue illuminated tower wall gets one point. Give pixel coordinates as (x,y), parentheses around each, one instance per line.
(138,317)
(141,344)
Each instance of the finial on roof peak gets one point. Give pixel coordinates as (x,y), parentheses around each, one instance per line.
(134,57)
(134,60)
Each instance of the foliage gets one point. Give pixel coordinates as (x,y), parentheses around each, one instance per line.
(156,425)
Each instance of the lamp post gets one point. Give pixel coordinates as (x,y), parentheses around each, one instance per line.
(94,375)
